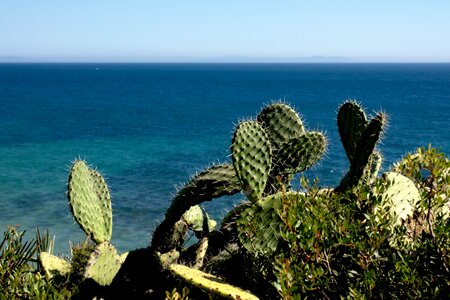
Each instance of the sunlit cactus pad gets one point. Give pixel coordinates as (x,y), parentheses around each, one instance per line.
(90,201)
(210,283)
(103,264)
(53,265)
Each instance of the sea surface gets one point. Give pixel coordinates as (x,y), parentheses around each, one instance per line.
(149,127)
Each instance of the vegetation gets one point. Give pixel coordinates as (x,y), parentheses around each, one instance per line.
(372,236)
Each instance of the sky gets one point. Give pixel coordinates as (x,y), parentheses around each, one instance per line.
(224,31)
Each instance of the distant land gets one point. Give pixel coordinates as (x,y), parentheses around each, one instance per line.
(211,59)
(219,59)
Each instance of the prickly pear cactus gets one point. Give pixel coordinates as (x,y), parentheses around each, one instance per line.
(103,264)
(252,158)
(53,265)
(359,137)
(214,182)
(400,197)
(300,153)
(90,201)
(281,123)
(198,220)
(292,150)
(287,136)
(210,283)
(260,225)
(168,258)
(201,252)
(352,122)
(370,172)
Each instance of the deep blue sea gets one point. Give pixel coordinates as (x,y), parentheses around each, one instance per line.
(148,127)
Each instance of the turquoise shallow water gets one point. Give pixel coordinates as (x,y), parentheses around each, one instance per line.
(148,127)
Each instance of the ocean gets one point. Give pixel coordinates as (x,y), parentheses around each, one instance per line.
(148,127)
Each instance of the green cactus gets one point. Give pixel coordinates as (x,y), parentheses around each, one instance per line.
(281,123)
(359,138)
(400,197)
(251,153)
(260,225)
(90,202)
(370,172)
(168,258)
(210,283)
(198,220)
(103,264)
(201,252)
(53,265)
(214,182)
(290,150)
(300,153)
(351,122)
(287,135)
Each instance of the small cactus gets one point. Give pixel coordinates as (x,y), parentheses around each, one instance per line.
(90,201)
(103,264)
(53,265)
(359,137)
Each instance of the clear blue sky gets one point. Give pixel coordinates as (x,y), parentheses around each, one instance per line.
(194,30)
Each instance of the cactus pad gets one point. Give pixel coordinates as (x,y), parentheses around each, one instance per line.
(281,123)
(401,196)
(168,258)
(251,153)
(53,265)
(300,153)
(90,201)
(260,226)
(352,122)
(359,138)
(103,264)
(210,283)
(197,219)
(214,182)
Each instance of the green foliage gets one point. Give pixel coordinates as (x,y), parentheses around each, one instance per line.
(344,245)
(370,237)
(175,295)
(19,277)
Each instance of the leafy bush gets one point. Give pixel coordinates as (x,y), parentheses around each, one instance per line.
(19,274)
(339,245)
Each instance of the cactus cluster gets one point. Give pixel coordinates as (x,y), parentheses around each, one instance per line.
(266,153)
(90,204)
